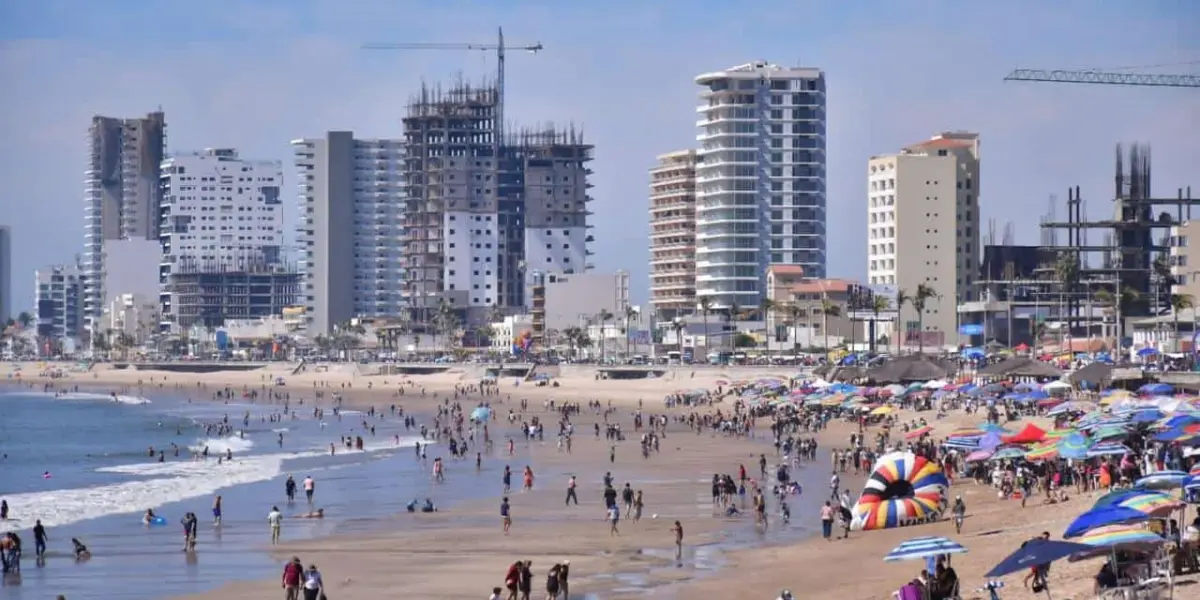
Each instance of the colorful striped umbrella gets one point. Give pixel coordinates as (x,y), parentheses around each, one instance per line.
(1161,480)
(1044,451)
(1116,535)
(1149,503)
(1008,453)
(924,547)
(1060,433)
(1074,446)
(1107,449)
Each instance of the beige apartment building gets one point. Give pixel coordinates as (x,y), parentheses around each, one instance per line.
(923,228)
(1184,268)
(673,234)
(799,302)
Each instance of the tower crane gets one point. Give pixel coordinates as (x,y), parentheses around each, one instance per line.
(499,48)
(1105,78)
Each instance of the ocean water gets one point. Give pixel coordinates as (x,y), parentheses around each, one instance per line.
(80,463)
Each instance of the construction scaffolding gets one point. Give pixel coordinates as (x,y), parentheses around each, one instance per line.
(1131,265)
(208,297)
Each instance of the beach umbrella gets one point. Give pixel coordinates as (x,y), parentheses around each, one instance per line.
(993,428)
(1108,538)
(1055,386)
(991,440)
(1055,434)
(916,433)
(1109,432)
(962,443)
(1102,517)
(1107,449)
(1151,504)
(1043,451)
(1156,388)
(481,413)
(1008,453)
(924,547)
(1074,446)
(883,410)
(1029,434)
(1033,553)
(1161,480)
(979,455)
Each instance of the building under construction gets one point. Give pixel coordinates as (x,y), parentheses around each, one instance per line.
(1066,285)
(483,205)
(194,296)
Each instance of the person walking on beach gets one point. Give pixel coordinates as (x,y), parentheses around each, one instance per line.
(827,520)
(309,488)
(507,479)
(289,488)
(292,573)
(614,517)
(960,512)
(314,586)
(190,523)
(275,520)
(571,492)
(678,531)
(833,486)
(216,510)
(39,540)
(506,514)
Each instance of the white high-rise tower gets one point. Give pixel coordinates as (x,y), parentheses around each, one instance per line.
(760,179)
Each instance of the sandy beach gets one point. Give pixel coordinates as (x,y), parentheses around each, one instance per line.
(461,552)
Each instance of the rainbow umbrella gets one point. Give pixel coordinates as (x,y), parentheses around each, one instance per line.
(1074,446)
(1043,451)
(1110,537)
(1152,504)
(1059,433)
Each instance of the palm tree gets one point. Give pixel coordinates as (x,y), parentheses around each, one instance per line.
(902,298)
(924,293)
(706,306)
(1180,302)
(631,314)
(828,309)
(793,312)
(679,326)
(1066,269)
(766,307)
(25,319)
(878,305)
(604,317)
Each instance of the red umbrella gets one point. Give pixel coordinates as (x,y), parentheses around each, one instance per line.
(916,433)
(1029,435)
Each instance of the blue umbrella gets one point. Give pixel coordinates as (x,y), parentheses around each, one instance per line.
(481,413)
(1162,480)
(990,441)
(1147,352)
(1101,516)
(924,547)
(1034,553)
(1156,388)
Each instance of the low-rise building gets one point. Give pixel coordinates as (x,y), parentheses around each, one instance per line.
(132,317)
(58,302)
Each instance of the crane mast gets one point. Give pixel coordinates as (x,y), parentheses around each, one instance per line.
(1104,78)
(499,48)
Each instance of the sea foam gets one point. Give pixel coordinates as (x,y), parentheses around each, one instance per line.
(221,445)
(168,482)
(119,398)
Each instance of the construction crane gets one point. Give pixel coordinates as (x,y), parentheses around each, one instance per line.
(499,48)
(1105,78)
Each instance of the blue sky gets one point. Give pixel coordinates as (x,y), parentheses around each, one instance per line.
(255,74)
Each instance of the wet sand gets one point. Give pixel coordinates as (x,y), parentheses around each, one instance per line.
(462,554)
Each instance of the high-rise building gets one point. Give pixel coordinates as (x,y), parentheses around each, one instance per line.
(350,229)
(673,234)
(760,194)
(6,308)
(221,234)
(923,228)
(58,302)
(482,214)
(121,197)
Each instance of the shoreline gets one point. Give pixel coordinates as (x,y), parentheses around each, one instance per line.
(364,564)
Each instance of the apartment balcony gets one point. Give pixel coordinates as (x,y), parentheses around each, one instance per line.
(713,135)
(717,119)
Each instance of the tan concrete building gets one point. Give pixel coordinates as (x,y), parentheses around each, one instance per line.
(798,304)
(1184,268)
(673,234)
(923,228)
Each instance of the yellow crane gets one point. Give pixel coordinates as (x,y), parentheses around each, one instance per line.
(499,48)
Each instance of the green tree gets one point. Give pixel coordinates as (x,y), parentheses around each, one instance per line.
(923,295)
(706,307)
(902,298)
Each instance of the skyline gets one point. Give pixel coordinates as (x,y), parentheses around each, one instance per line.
(897,73)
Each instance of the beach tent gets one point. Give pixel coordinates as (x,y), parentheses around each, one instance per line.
(1030,434)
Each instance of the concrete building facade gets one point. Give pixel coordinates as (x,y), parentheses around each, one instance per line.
(1185,269)
(6,277)
(760,179)
(673,234)
(923,228)
(221,215)
(573,300)
(121,195)
(58,302)
(350,230)
(481,212)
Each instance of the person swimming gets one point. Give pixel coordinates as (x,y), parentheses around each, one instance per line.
(149,517)
(318,514)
